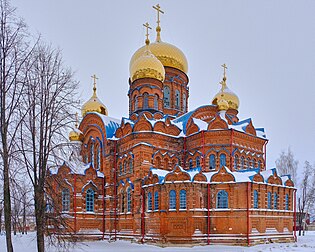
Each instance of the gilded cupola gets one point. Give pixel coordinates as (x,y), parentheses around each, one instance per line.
(169,55)
(94,104)
(225,95)
(147,65)
(76,134)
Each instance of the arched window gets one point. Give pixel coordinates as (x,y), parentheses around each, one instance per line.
(235,162)
(190,164)
(177,99)
(255,199)
(156,200)
(89,200)
(184,103)
(167,94)
(130,166)
(129,200)
(156,102)
(149,201)
(136,103)
(125,167)
(172,199)
(122,201)
(222,160)
(182,199)
(92,154)
(197,161)
(145,100)
(120,168)
(212,163)
(287,202)
(98,158)
(65,194)
(275,201)
(248,163)
(242,163)
(269,200)
(222,199)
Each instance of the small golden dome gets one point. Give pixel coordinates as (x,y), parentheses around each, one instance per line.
(222,104)
(227,95)
(94,104)
(147,66)
(168,54)
(76,134)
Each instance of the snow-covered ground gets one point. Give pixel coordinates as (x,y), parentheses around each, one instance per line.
(27,243)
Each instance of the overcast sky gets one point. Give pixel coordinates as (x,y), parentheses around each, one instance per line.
(268,46)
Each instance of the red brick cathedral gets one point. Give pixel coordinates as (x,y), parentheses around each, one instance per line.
(167,175)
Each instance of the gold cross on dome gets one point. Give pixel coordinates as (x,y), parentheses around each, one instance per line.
(147,26)
(94,79)
(158,8)
(76,120)
(224,70)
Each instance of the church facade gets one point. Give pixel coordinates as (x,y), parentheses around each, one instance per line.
(167,175)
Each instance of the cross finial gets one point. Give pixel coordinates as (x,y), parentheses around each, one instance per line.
(147,26)
(76,120)
(94,83)
(158,28)
(224,71)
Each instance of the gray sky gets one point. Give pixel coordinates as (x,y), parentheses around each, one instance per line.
(269,47)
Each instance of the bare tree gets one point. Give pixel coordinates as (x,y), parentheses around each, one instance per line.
(286,164)
(306,196)
(50,100)
(14,52)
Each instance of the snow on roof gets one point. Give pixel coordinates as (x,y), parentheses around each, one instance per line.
(160,173)
(202,125)
(111,124)
(285,178)
(260,132)
(239,176)
(267,173)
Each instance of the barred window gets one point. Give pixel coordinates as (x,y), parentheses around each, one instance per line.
(275,201)
(212,163)
(65,194)
(149,201)
(255,199)
(287,202)
(156,200)
(172,199)
(182,199)
(269,200)
(222,199)
(90,200)
(128,199)
(167,94)
(197,161)
(222,160)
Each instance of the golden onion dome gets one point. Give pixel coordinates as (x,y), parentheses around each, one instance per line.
(94,104)
(76,134)
(168,54)
(226,94)
(147,66)
(222,103)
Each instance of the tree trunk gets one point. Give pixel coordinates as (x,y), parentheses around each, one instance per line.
(7,201)
(40,218)
(0,220)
